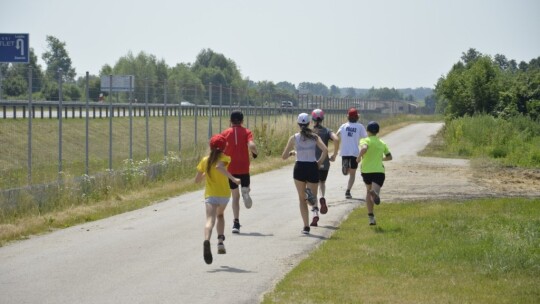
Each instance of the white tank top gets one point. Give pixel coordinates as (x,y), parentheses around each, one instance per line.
(305,148)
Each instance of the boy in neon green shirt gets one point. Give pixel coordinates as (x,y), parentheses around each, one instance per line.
(373,152)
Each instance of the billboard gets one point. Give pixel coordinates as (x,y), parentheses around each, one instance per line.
(120,83)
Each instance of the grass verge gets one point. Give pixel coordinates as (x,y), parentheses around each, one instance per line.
(478,251)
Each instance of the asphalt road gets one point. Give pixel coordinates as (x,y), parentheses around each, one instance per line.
(154,255)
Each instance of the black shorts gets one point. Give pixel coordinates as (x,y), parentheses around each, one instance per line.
(377,178)
(354,164)
(245,181)
(323,174)
(306,172)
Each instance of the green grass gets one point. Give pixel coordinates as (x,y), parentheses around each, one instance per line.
(511,142)
(479,251)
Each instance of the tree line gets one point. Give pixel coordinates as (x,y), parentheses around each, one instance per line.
(482,84)
(154,79)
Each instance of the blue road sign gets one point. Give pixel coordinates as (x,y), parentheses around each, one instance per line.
(15,48)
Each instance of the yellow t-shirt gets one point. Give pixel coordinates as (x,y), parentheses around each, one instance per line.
(217,184)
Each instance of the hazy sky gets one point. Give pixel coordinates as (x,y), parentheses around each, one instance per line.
(347,43)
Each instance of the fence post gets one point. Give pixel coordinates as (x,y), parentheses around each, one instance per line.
(86,149)
(59,114)
(209,110)
(110,122)
(181,91)
(30,116)
(146,113)
(165,113)
(196,120)
(220,104)
(130,117)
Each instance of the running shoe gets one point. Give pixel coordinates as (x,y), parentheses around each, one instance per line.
(207,253)
(324,208)
(310,198)
(314,222)
(375,197)
(221,248)
(346,164)
(372,221)
(245,196)
(236,227)
(348,194)
(305,230)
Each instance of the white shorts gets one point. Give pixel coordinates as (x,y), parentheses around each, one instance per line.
(216,200)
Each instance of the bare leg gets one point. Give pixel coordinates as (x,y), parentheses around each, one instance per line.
(300,188)
(322,187)
(220,225)
(210,220)
(369,200)
(352,177)
(236,202)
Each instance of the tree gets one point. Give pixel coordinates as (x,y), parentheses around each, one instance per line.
(187,82)
(501,61)
(148,73)
(56,57)
(16,77)
(216,68)
(335,91)
(351,93)
(286,87)
(470,56)
(313,88)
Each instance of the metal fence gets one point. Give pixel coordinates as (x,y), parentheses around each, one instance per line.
(125,126)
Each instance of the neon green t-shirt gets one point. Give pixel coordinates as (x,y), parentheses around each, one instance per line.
(372,161)
(217,184)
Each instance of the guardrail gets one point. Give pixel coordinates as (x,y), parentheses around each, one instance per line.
(77,109)
(50,109)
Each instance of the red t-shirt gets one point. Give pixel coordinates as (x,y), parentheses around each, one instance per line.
(237,148)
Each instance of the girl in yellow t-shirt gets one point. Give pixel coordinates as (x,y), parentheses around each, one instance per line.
(216,193)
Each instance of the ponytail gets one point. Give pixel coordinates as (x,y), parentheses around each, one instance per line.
(306,132)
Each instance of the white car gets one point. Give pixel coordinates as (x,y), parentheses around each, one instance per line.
(286,104)
(186,104)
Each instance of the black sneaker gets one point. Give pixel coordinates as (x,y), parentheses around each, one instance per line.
(310,198)
(236,227)
(305,230)
(376,198)
(346,164)
(207,253)
(348,194)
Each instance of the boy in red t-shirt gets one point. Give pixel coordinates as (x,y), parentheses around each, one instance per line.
(240,144)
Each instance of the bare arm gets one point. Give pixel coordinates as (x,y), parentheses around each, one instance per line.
(387,157)
(199,177)
(253,149)
(363,150)
(221,168)
(335,141)
(324,151)
(290,146)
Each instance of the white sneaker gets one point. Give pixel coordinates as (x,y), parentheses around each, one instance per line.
(221,248)
(372,221)
(245,196)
